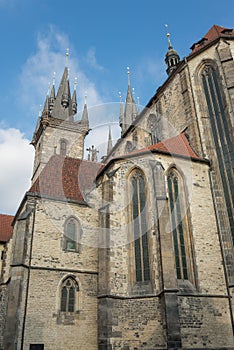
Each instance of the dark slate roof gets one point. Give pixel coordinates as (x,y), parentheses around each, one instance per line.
(66,178)
(6,230)
(214,32)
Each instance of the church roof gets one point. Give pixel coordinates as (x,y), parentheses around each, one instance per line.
(214,32)
(177,145)
(6,229)
(66,178)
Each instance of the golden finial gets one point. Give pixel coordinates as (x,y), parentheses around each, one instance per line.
(48,90)
(168,37)
(40,110)
(128,73)
(75,83)
(120,96)
(54,76)
(85,98)
(67,55)
(133,92)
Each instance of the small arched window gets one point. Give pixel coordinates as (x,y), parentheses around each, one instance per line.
(63,148)
(180,227)
(72,235)
(153,129)
(139,227)
(68,298)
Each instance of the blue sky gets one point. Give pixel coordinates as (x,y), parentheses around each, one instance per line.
(104,37)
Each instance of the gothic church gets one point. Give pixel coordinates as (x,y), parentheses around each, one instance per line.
(134,252)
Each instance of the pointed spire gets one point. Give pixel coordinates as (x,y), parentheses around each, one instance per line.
(85,117)
(121,111)
(110,144)
(130,106)
(172,58)
(46,109)
(63,104)
(52,95)
(74,99)
(138,105)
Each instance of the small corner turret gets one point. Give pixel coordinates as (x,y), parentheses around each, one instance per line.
(172,58)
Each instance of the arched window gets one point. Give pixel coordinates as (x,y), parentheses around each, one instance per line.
(153,129)
(139,225)
(69,288)
(222,136)
(63,148)
(180,227)
(72,235)
(129,147)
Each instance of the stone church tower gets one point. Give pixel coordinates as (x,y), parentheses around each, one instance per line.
(135,252)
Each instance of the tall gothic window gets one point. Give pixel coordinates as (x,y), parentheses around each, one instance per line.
(140,235)
(180,228)
(63,148)
(221,135)
(69,289)
(72,235)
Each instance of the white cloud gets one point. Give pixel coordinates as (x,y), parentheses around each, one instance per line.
(49,57)
(92,61)
(16,157)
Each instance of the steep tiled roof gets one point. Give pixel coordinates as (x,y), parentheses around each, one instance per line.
(66,177)
(177,145)
(6,229)
(214,32)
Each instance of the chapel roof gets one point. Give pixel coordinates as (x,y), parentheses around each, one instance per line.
(66,178)
(213,33)
(6,230)
(177,145)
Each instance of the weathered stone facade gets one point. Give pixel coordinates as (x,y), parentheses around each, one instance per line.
(137,252)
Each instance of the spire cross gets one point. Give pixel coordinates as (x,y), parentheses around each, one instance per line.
(92,153)
(128,73)
(67,55)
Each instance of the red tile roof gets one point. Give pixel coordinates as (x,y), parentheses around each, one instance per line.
(6,229)
(177,145)
(214,32)
(66,177)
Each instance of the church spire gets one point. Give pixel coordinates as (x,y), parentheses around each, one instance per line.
(85,117)
(110,144)
(74,99)
(63,102)
(127,118)
(172,58)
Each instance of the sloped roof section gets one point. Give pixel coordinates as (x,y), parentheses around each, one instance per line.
(214,32)
(66,178)
(6,230)
(177,145)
